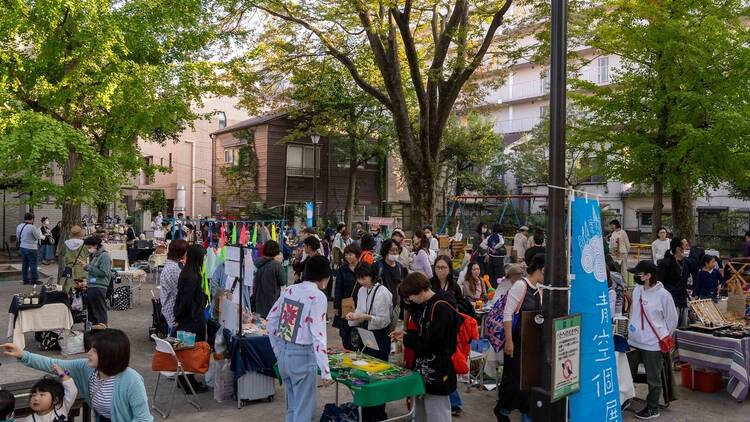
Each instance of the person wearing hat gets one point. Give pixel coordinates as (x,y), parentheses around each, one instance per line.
(653,316)
(297,328)
(520,243)
(72,268)
(513,273)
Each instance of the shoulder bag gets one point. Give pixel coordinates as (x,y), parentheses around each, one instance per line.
(666,343)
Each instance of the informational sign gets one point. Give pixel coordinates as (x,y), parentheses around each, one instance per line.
(598,398)
(309,213)
(566,356)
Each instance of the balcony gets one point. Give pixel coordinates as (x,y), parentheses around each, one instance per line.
(538,87)
(516,125)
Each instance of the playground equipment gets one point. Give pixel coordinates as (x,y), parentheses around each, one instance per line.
(504,203)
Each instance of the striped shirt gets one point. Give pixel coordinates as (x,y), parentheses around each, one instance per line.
(168,290)
(101,394)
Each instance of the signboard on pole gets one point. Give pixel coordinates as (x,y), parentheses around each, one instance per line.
(598,398)
(566,355)
(309,213)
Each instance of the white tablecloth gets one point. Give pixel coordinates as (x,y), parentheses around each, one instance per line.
(55,316)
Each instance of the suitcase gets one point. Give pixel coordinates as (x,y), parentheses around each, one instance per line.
(255,386)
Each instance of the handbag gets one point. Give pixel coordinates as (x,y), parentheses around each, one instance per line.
(347,303)
(194,360)
(68,271)
(72,342)
(666,343)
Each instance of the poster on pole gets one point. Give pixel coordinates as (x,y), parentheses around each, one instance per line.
(309,213)
(598,398)
(566,356)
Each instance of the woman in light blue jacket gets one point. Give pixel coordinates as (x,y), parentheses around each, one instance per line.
(115,391)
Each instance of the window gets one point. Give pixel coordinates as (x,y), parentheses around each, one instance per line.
(162,161)
(145,180)
(222,119)
(300,160)
(544,81)
(228,156)
(603,67)
(543,112)
(170,161)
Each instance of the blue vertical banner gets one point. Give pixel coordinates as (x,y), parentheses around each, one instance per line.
(309,213)
(599,397)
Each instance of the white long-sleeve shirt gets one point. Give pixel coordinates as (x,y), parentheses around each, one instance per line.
(377,302)
(516,294)
(299,316)
(660,310)
(71,393)
(659,248)
(619,244)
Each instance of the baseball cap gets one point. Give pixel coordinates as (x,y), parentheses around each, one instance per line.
(643,267)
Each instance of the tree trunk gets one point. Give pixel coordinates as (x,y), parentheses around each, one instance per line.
(351,192)
(422,194)
(71,212)
(656,216)
(682,213)
(101,212)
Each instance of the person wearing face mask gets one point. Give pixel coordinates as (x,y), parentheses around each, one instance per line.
(479,246)
(268,279)
(390,271)
(652,317)
(673,273)
(168,278)
(99,270)
(434,245)
(522,296)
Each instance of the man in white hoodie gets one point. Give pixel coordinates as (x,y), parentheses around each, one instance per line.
(653,316)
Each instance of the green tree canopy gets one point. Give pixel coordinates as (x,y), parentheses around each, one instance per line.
(81,82)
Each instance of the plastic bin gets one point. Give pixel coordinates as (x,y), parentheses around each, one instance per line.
(705,380)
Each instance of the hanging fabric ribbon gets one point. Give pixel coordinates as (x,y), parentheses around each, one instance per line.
(173,227)
(243,234)
(234,233)
(204,283)
(255,233)
(273,232)
(179,232)
(210,234)
(223,243)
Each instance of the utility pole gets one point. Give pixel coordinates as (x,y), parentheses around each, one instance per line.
(555,302)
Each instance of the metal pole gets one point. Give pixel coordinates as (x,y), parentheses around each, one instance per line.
(315,184)
(555,302)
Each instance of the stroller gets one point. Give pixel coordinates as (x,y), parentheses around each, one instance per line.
(158,322)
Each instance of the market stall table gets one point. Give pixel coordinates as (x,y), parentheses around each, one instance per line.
(726,354)
(53,315)
(22,390)
(376,383)
(251,353)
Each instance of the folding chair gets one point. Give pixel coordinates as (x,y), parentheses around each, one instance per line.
(165,347)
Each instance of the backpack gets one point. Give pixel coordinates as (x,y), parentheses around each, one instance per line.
(493,323)
(468,326)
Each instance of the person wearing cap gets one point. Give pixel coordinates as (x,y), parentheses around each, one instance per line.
(404,257)
(72,249)
(297,328)
(653,316)
(513,273)
(520,243)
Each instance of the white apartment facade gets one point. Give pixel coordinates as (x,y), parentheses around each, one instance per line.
(522,102)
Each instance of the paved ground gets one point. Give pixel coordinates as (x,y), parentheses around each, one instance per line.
(477,405)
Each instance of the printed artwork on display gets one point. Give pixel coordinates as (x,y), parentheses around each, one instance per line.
(291,316)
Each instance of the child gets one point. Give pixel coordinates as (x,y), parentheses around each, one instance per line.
(297,324)
(707,280)
(50,399)
(7,406)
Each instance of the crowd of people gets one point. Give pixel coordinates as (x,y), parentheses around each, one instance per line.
(410,294)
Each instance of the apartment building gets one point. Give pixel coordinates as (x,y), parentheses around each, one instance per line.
(522,102)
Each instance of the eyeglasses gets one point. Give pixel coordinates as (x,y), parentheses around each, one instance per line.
(441,267)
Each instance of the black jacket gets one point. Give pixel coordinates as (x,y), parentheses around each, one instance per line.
(345,285)
(190,305)
(267,284)
(434,342)
(674,276)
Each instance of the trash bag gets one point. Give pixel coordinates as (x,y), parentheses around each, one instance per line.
(223,380)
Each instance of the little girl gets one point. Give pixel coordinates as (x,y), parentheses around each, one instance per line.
(50,399)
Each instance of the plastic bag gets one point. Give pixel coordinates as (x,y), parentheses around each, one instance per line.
(220,347)
(223,381)
(213,366)
(72,342)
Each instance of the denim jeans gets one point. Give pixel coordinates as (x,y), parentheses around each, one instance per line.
(29,272)
(455,399)
(299,374)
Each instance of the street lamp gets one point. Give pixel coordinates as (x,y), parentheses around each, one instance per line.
(315,139)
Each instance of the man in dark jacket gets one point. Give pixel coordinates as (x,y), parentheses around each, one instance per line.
(268,279)
(673,274)
(433,342)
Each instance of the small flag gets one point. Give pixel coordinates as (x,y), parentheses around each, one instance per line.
(255,233)
(243,234)
(234,233)
(273,231)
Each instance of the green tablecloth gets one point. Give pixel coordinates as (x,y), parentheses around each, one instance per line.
(381,391)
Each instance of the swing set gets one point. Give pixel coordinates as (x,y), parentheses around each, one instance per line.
(504,203)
